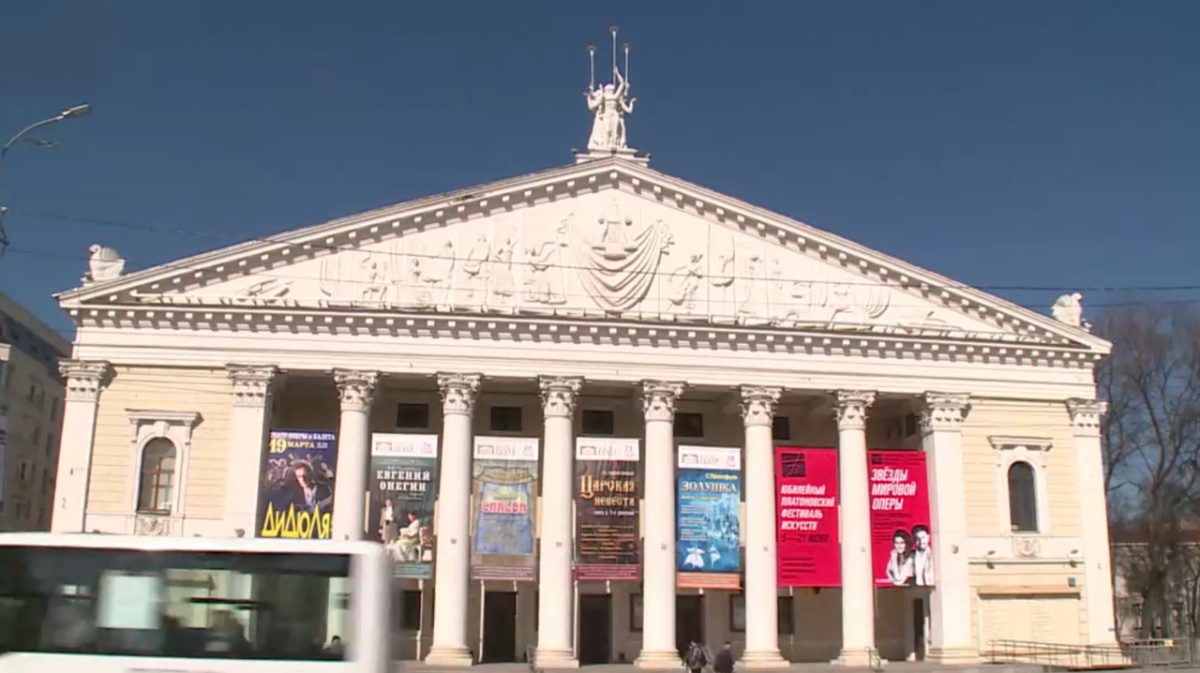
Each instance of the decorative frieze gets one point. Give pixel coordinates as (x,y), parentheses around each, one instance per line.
(658,399)
(850,407)
(458,392)
(84,379)
(944,412)
(559,394)
(758,404)
(356,388)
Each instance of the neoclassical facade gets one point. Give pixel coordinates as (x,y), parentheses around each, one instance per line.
(605,298)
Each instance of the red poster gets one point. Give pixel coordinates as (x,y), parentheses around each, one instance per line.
(806,483)
(901,544)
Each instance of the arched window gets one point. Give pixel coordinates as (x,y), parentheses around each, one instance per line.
(157,483)
(1022,498)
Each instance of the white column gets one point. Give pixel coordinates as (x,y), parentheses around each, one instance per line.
(658,522)
(556,589)
(762,616)
(252,396)
(84,380)
(452,577)
(1089,473)
(357,393)
(950,600)
(858,584)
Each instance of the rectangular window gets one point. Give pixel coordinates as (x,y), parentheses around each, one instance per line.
(54,410)
(737,613)
(598,422)
(412,416)
(781,428)
(409,609)
(49,444)
(786,624)
(506,419)
(689,424)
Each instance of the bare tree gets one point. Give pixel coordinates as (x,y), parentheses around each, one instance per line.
(1152,439)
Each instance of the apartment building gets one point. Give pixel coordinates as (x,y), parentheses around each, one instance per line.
(31,404)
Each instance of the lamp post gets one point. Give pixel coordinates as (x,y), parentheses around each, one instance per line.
(23,136)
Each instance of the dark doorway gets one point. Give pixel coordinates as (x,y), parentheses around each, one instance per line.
(689,621)
(595,629)
(499,627)
(919,629)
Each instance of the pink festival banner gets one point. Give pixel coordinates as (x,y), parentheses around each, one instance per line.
(901,539)
(806,482)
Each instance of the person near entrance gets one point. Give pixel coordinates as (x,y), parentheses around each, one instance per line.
(698,657)
(724,660)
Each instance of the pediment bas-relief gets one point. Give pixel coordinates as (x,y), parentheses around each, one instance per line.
(605,254)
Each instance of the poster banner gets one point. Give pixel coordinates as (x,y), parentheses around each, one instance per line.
(808,549)
(901,548)
(296,500)
(707,532)
(403,493)
(504,494)
(606,510)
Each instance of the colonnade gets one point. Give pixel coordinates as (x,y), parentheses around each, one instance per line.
(941,419)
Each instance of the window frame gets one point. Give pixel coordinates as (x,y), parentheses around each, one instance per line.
(148,425)
(1033,451)
(157,507)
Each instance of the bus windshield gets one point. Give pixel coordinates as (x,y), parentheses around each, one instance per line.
(192,604)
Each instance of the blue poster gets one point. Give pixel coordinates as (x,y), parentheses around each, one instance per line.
(707,507)
(297,485)
(504,491)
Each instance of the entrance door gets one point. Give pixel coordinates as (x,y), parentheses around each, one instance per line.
(595,629)
(499,627)
(689,621)
(918,617)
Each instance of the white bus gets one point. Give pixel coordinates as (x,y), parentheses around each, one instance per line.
(111,603)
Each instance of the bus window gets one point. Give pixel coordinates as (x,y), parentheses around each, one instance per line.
(175,603)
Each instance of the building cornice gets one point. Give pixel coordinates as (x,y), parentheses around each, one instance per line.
(147,294)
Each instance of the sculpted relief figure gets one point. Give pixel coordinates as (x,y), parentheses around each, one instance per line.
(544,282)
(685,281)
(475,268)
(503,284)
(609,105)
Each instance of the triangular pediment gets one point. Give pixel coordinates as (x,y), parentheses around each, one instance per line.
(607,240)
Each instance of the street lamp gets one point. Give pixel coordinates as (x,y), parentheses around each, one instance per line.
(21,136)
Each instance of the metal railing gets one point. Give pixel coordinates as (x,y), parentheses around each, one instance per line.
(1056,656)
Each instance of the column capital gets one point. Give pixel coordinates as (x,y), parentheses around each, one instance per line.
(84,378)
(944,412)
(559,394)
(356,388)
(1085,415)
(758,404)
(458,392)
(851,406)
(658,399)
(253,385)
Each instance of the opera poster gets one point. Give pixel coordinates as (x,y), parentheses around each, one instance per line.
(504,495)
(707,507)
(402,496)
(297,482)
(901,537)
(806,485)
(606,510)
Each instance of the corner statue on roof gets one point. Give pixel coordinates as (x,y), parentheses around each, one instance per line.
(1068,309)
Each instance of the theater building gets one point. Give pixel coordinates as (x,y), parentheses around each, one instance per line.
(599,411)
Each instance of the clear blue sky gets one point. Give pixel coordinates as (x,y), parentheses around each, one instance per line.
(1004,143)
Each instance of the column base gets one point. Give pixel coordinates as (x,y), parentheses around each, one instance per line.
(553,659)
(860,657)
(659,660)
(757,660)
(952,655)
(449,656)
